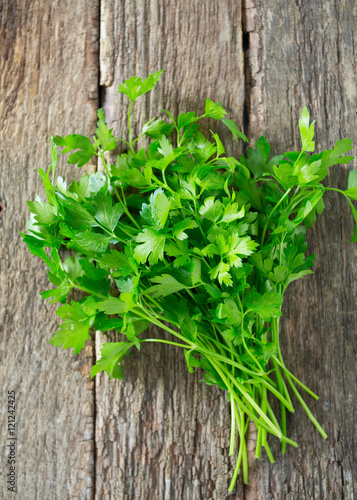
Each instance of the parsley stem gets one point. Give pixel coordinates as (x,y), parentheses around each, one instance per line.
(244,343)
(233,429)
(163,341)
(117,192)
(265,422)
(129,128)
(288,373)
(84,289)
(242,454)
(306,408)
(271,213)
(122,140)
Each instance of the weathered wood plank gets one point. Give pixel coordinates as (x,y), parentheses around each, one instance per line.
(49,84)
(304,53)
(161,434)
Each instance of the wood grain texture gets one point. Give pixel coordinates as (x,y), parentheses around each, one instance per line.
(160,434)
(305,53)
(49,84)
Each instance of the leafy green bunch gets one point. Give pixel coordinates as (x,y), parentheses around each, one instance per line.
(201,244)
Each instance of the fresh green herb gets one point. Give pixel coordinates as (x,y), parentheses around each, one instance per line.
(179,233)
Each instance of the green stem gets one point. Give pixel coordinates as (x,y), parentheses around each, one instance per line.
(242,454)
(83,289)
(306,408)
(289,374)
(233,429)
(268,423)
(129,128)
(117,193)
(271,213)
(163,341)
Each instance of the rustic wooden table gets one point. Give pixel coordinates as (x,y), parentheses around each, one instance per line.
(162,434)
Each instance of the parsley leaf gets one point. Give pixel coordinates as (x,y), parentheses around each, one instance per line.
(267,305)
(76,141)
(135,86)
(74,330)
(112,355)
(152,246)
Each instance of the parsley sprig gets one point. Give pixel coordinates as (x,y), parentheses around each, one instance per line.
(201,244)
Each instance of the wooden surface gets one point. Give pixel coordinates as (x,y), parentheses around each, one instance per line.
(161,434)
(304,53)
(49,84)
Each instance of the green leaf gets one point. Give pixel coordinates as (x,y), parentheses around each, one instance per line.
(107,215)
(134,178)
(297,276)
(185,119)
(267,305)
(74,330)
(49,188)
(214,110)
(122,265)
(229,311)
(279,275)
(221,272)
(201,149)
(196,271)
(257,159)
(213,291)
(156,129)
(352,179)
(308,206)
(182,226)
(239,246)
(54,157)
(268,350)
(284,174)
(92,272)
(157,212)
(232,213)
(72,267)
(76,141)
(306,131)
(220,147)
(166,286)
(191,361)
(152,246)
(166,148)
(76,215)
(125,285)
(234,129)
(92,242)
(354,212)
(308,172)
(351,193)
(44,213)
(113,305)
(135,86)
(334,156)
(112,355)
(95,285)
(105,136)
(130,333)
(211,210)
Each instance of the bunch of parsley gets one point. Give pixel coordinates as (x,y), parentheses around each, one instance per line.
(201,244)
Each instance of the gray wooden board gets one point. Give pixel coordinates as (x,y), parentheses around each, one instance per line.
(161,434)
(304,53)
(49,84)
